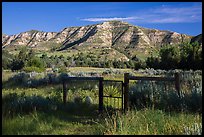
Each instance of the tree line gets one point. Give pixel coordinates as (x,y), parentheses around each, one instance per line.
(183,56)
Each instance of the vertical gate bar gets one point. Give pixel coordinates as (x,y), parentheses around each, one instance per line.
(118,103)
(100,94)
(107,102)
(177,83)
(126,90)
(122,85)
(114,102)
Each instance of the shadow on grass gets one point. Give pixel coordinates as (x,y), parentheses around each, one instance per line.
(14,104)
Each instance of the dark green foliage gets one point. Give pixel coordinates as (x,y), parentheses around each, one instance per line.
(118,64)
(14,104)
(35,62)
(28,59)
(153,62)
(170,57)
(6,59)
(139,65)
(191,57)
(184,56)
(135,58)
(17,65)
(22,54)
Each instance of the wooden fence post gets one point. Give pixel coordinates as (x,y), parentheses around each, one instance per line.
(177,83)
(100,94)
(64,91)
(126,90)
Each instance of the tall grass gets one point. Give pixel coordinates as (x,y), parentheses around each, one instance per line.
(55,123)
(152,122)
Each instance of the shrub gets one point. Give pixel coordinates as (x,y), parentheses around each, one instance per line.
(17,65)
(13,103)
(20,78)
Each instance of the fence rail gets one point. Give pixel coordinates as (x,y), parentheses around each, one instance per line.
(151,78)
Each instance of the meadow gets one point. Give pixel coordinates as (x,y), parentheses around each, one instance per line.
(33,105)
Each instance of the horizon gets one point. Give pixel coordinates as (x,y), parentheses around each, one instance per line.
(180,17)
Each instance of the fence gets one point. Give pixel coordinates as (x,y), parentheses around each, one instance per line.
(124,87)
(127,78)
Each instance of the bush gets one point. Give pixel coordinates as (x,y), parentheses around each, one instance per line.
(13,103)
(17,65)
(144,93)
(36,62)
(20,78)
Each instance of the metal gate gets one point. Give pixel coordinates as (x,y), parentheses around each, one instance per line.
(113,96)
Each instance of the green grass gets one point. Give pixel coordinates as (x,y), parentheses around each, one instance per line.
(150,122)
(85,121)
(55,123)
(141,122)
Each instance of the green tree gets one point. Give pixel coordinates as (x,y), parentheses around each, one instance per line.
(36,62)
(170,57)
(191,56)
(153,62)
(6,59)
(139,65)
(22,55)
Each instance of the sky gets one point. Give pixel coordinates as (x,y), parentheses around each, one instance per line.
(181,17)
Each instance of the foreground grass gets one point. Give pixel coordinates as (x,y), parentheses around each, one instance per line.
(41,123)
(153,122)
(141,122)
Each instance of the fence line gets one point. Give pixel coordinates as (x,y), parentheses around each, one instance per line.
(125,87)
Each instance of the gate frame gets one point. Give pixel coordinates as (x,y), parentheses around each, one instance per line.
(122,88)
(99,79)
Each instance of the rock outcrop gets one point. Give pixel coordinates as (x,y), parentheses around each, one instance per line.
(118,35)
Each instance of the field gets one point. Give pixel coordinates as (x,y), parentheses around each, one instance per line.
(31,106)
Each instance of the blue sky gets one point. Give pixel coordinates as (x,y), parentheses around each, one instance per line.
(181,17)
